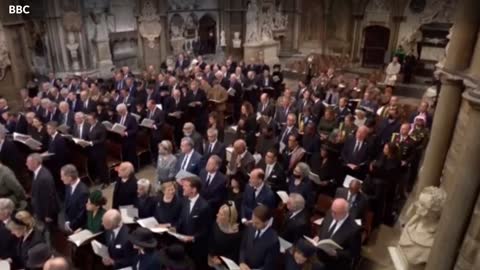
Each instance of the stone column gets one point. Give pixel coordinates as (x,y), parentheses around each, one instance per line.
(458,58)
(357,24)
(458,209)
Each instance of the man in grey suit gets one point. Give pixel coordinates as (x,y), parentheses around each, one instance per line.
(188,160)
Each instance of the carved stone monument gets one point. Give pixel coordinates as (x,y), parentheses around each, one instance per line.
(4,54)
(150,27)
(72,22)
(418,235)
(223,42)
(261,24)
(236,41)
(72,47)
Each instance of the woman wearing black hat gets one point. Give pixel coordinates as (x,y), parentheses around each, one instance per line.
(302,257)
(175,258)
(22,225)
(145,243)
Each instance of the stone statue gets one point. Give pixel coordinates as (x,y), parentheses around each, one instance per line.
(252,32)
(237,42)
(4,54)
(280,20)
(419,232)
(267,24)
(72,46)
(223,42)
(150,27)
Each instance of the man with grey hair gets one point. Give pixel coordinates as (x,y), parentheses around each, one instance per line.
(76,197)
(190,131)
(235,90)
(214,183)
(8,241)
(81,127)
(144,203)
(214,147)
(188,160)
(129,137)
(241,160)
(296,221)
(116,238)
(197,102)
(66,116)
(339,226)
(44,201)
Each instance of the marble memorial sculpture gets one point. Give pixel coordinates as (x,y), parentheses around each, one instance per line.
(418,233)
(4,54)
(150,27)
(267,24)
(177,40)
(72,22)
(223,42)
(237,42)
(252,32)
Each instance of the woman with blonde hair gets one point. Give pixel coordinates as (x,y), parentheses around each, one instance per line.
(166,161)
(169,205)
(22,225)
(225,236)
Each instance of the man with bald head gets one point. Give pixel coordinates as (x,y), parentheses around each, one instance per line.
(116,239)
(57,263)
(356,153)
(256,193)
(241,160)
(339,226)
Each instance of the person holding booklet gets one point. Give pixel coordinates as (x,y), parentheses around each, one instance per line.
(341,228)
(129,136)
(76,196)
(116,239)
(260,247)
(125,190)
(296,222)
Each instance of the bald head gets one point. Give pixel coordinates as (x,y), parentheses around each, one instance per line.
(58,263)
(339,209)
(111,219)
(362,133)
(239,146)
(404,129)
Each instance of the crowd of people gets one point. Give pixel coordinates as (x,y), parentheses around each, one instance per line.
(244,168)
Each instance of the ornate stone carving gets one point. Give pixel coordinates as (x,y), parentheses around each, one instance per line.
(223,42)
(72,21)
(419,232)
(177,29)
(72,46)
(182,4)
(4,54)
(252,32)
(237,42)
(150,27)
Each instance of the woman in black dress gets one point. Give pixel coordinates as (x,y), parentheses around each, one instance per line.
(247,126)
(144,203)
(225,236)
(168,207)
(301,184)
(39,132)
(125,190)
(327,170)
(382,182)
(235,190)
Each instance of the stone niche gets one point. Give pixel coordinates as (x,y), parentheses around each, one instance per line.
(123,33)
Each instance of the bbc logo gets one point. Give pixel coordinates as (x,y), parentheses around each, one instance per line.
(17,9)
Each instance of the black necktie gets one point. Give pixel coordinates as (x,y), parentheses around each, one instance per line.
(210,148)
(332,228)
(209,179)
(257,235)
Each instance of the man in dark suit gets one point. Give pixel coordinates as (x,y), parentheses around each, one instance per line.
(195,221)
(158,117)
(87,105)
(81,127)
(318,109)
(283,111)
(116,238)
(181,63)
(43,195)
(260,248)
(288,129)
(235,97)
(9,154)
(387,127)
(97,134)
(8,245)
(266,107)
(131,88)
(189,160)
(128,99)
(190,131)
(76,197)
(52,112)
(356,153)
(57,146)
(197,102)
(129,137)
(339,226)
(215,147)
(214,183)
(256,193)
(66,116)
(356,199)
(175,112)
(275,176)
(296,223)
(75,104)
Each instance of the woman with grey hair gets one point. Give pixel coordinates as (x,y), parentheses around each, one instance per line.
(301,184)
(166,161)
(7,243)
(144,203)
